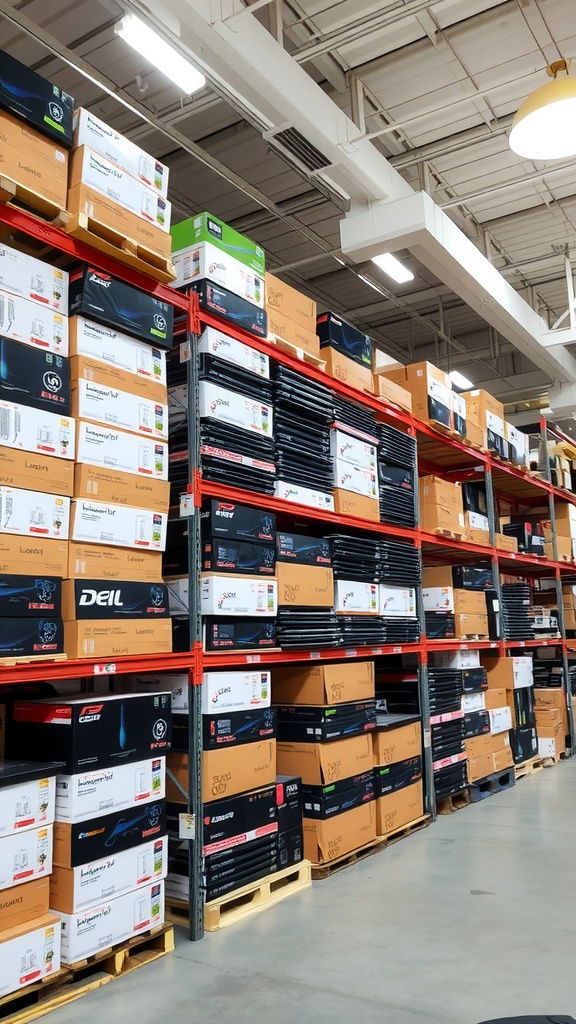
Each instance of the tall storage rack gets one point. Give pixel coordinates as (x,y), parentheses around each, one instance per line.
(506,486)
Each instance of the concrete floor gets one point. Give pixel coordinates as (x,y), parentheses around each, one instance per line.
(468,920)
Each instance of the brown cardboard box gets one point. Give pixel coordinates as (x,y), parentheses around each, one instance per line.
(22,903)
(281,298)
(304,586)
(549,698)
(474,434)
(347,370)
(281,325)
(502,759)
(111,638)
(400,808)
(501,672)
(121,488)
(480,767)
(441,505)
(83,199)
(34,472)
(347,503)
(470,602)
(32,160)
(471,625)
(332,683)
(318,764)
(474,533)
(397,744)
(549,722)
(225,772)
(100,562)
(423,381)
(392,392)
(478,746)
(436,576)
(29,554)
(495,698)
(483,409)
(326,840)
(111,376)
(504,543)
(565,519)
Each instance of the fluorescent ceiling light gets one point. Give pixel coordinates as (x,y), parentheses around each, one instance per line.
(545,126)
(391,266)
(160,54)
(460,380)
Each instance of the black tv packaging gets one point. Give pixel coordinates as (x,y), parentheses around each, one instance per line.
(30,596)
(236,728)
(32,98)
(239,819)
(336,332)
(233,308)
(238,556)
(111,301)
(96,599)
(239,634)
(30,636)
(337,797)
(237,522)
(31,376)
(106,835)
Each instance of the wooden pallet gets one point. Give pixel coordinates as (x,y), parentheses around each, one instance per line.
(407,830)
(298,353)
(347,859)
(126,250)
(454,802)
(492,784)
(31,659)
(13,192)
(77,980)
(450,534)
(526,768)
(549,762)
(256,896)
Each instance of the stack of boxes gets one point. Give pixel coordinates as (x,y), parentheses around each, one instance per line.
(110,845)
(511,684)
(487,719)
(445,691)
(565,528)
(291,316)
(346,350)
(398,786)
(551,715)
(455,602)
(355,462)
(29,934)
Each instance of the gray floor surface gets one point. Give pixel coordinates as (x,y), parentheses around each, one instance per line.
(467,920)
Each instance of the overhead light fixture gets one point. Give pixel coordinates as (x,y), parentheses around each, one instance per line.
(460,380)
(160,54)
(393,267)
(545,126)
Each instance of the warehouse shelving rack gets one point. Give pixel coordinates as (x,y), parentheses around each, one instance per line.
(444,455)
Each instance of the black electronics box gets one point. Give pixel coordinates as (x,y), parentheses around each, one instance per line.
(28,636)
(111,301)
(237,522)
(238,819)
(474,498)
(262,853)
(474,680)
(238,727)
(289,802)
(471,577)
(238,556)
(32,98)
(336,332)
(96,599)
(524,743)
(294,547)
(308,724)
(440,625)
(233,308)
(530,536)
(96,731)
(16,773)
(290,848)
(30,596)
(388,778)
(476,723)
(33,377)
(175,557)
(82,842)
(328,801)
(524,711)
(265,867)
(239,634)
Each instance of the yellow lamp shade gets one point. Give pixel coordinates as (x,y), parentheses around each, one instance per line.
(545,126)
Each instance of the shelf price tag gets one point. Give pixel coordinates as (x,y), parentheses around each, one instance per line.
(376,651)
(185,352)
(314,656)
(253,659)
(397,650)
(186,826)
(186,506)
(351,653)
(108,668)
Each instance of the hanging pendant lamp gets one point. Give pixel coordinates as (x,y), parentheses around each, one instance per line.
(545,126)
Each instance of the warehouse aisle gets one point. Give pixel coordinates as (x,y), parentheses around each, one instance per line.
(469,919)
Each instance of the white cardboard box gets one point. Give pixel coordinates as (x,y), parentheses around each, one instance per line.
(238,595)
(217,343)
(473,702)
(355,479)
(477,521)
(33,324)
(500,720)
(118,449)
(30,955)
(121,409)
(25,856)
(204,260)
(235,691)
(27,804)
(346,447)
(107,923)
(109,346)
(304,495)
(547,746)
(178,596)
(457,659)
(110,180)
(438,599)
(118,149)
(522,672)
(395,601)
(356,596)
(33,279)
(33,514)
(237,410)
(110,877)
(104,790)
(95,522)
(176,683)
(33,430)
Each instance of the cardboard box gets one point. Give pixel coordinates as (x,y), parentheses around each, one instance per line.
(396,601)
(97,638)
(97,561)
(205,260)
(235,409)
(225,692)
(457,659)
(459,414)
(326,840)
(504,543)
(91,131)
(284,299)
(32,471)
(550,698)
(86,795)
(500,720)
(336,332)
(565,519)
(228,771)
(27,800)
(517,445)
(95,599)
(37,431)
(89,169)
(494,698)
(347,448)
(502,759)
(34,514)
(281,326)
(111,301)
(431,391)
(441,505)
(238,595)
(25,856)
(36,100)
(33,279)
(32,324)
(36,378)
(331,683)
(348,503)
(309,586)
(204,227)
(477,528)
(449,599)
(509,673)
(318,764)
(550,724)
(480,767)
(361,481)
(355,597)
(73,889)
(110,448)
(216,343)
(106,835)
(141,364)
(107,923)
(84,370)
(30,952)
(489,414)
(32,160)
(392,392)
(550,746)
(471,625)
(120,525)
(397,744)
(118,487)
(85,199)
(346,370)
(23,555)
(399,808)
(22,904)
(478,747)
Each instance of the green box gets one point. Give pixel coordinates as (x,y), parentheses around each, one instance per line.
(206,228)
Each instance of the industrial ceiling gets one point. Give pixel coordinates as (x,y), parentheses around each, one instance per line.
(433,86)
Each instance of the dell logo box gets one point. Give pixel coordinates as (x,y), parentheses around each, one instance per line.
(102,599)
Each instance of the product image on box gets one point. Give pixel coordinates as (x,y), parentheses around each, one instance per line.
(121,787)
(73,889)
(27,795)
(36,100)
